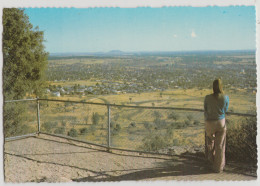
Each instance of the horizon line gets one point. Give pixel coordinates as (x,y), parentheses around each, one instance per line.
(151,51)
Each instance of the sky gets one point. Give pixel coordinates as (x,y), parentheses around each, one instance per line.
(146,29)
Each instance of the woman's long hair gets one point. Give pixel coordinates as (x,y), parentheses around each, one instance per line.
(217,88)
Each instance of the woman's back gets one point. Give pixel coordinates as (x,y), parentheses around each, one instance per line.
(215,106)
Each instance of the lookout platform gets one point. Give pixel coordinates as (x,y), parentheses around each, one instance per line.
(46,158)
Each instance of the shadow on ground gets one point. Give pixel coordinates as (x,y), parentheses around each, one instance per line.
(164,169)
(187,164)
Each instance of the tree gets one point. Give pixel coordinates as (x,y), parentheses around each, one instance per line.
(24,57)
(24,64)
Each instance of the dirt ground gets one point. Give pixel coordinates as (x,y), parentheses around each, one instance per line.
(52,159)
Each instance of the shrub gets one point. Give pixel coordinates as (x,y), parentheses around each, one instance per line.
(159,123)
(92,128)
(63,123)
(157,114)
(60,130)
(147,125)
(187,123)
(86,120)
(241,141)
(83,131)
(189,117)
(132,124)
(118,127)
(180,125)
(175,142)
(116,130)
(95,118)
(73,133)
(153,143)
(116,117)
(173,116)
(47,126)
(169,133)
(196,122)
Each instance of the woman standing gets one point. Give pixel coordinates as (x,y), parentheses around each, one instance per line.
(215,107)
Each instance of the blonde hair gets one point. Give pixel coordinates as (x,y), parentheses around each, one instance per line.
(217,87)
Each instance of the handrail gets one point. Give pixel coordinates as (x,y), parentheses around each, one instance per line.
(144,107)
(20,100)
(108,107)
(127,106)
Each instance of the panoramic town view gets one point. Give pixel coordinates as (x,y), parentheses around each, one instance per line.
(126,81)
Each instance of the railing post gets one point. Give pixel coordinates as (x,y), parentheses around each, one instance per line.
(108,127)
(38,116)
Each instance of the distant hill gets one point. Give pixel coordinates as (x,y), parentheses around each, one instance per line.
(112,53)
(115,52)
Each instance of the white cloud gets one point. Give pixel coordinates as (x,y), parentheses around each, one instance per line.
(174,35)
(193,34)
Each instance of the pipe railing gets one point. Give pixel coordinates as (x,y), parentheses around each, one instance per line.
(108,114)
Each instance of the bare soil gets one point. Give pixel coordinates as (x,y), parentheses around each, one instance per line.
(52,159)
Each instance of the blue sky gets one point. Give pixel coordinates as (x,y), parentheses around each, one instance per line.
(145,29)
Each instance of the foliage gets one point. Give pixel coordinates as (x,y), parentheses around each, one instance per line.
(73,133)
(95,118)
(18,123)
(174,116)
(60,130)
(83,131)
(116,117)
(187,123)
(189,117)
(47,126)
(241,141)
(180,125)
(157,114)
(196,122)
(132,124)
(24,57)
(86,120)
(147,125)
(24,64)
(116,129)
(159,123)
(63,123)
(153,142)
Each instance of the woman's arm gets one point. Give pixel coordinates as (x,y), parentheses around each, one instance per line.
(226,103)
(205,108)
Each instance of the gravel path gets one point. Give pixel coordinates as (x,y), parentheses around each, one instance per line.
(52,159)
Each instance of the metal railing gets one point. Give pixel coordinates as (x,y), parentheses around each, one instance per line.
(109,118)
